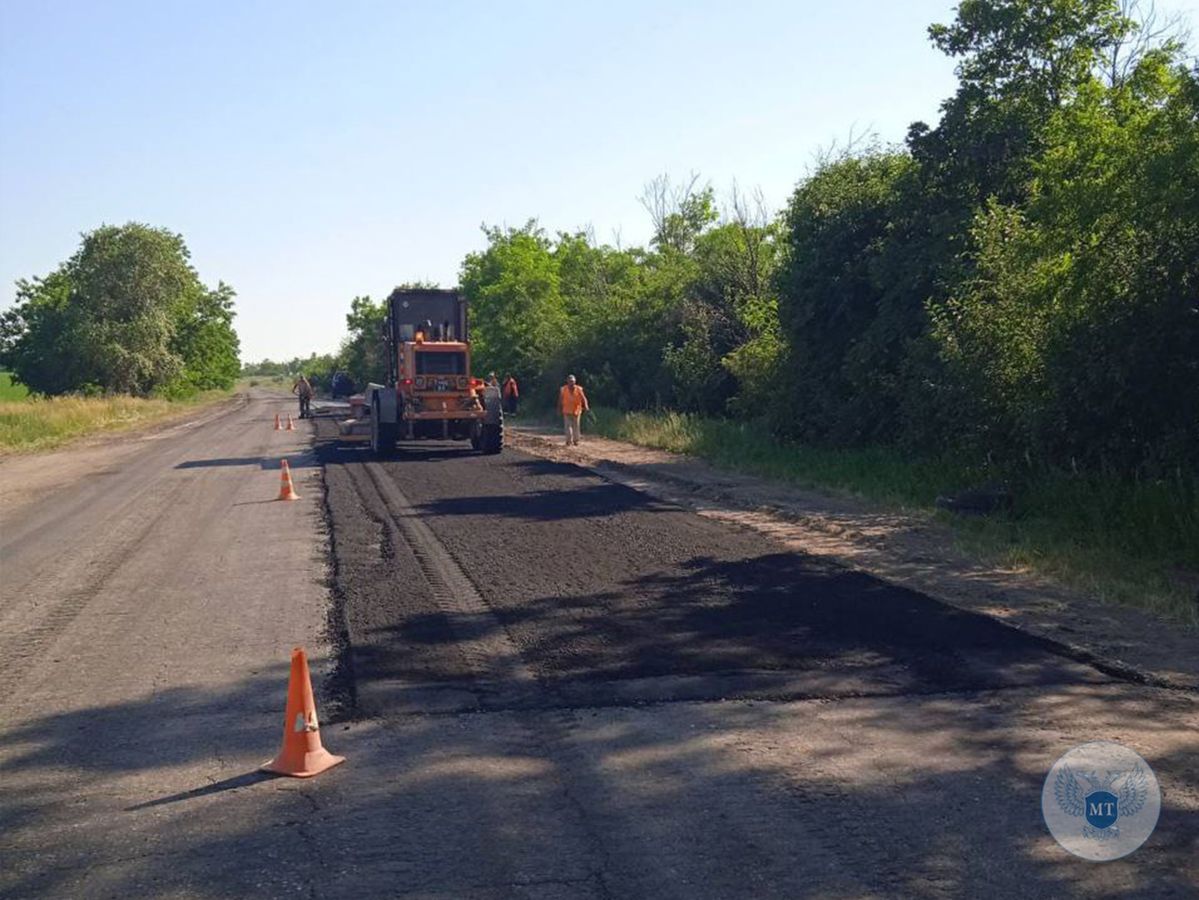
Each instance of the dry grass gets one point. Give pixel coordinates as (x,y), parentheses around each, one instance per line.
(39,423)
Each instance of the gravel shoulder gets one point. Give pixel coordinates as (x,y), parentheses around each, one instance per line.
(903,549)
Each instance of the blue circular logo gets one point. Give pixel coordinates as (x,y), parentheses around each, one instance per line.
(1101,801)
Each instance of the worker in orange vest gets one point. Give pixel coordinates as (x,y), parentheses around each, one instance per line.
(572,403)
(511,395)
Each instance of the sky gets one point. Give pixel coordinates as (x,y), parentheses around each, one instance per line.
(309,153)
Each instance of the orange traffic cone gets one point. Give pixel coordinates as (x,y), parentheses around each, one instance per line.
(278,424)
(301,755)
(291,426)
(286,490)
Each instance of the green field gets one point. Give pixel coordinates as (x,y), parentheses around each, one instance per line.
(10,391)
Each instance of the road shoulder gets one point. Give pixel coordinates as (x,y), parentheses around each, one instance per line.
(901,548)
(27,477)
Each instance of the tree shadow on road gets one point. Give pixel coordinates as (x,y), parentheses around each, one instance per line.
(593,501)
(935,796)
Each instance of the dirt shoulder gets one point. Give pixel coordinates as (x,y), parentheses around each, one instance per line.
(27,476)
(903,548)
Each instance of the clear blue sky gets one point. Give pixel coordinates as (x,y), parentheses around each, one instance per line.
(311,152)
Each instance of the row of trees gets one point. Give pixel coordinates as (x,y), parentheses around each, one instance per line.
(1019,282)
(127,313)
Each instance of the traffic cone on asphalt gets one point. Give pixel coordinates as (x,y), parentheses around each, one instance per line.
(278,424)
(301,755)
(287,491)
(291,426)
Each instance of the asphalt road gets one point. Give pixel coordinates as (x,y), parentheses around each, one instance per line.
(546,685)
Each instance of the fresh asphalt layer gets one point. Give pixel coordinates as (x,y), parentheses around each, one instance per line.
(545,685)
(608,596)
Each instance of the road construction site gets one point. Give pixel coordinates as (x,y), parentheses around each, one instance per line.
(546,684)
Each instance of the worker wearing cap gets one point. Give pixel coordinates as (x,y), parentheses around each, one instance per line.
(572,403)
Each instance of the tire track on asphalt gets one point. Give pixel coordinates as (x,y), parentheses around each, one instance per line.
(21,646)
(490,650)
(40,606)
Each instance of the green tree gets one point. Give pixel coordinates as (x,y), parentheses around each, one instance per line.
(842,349)
(206,342)
(363,354)
(127,314)
(518,318)
(1077,337)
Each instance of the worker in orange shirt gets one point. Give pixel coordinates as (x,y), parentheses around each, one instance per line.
(572,403)
(511,395)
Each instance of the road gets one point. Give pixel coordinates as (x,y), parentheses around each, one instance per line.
(547,685)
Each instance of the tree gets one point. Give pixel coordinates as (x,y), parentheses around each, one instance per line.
(363,354)
(831,299)
(517,312)
(126,314)
(1077,335)
(206,342)
(679,212)
(1019,60)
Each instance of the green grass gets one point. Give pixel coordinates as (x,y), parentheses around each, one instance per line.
(270,382)
(10,391)
(1119,541)
(40,423)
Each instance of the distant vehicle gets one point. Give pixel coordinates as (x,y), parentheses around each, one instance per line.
(341,385)
(430,392)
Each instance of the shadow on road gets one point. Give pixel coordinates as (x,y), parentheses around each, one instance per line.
(229,784)
(592,501)
(901,797)
(303,459)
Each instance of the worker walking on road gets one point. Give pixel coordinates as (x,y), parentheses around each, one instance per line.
(303,389)
(511,395)
(572,403)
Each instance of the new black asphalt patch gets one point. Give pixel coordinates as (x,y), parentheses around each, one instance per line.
(612,597)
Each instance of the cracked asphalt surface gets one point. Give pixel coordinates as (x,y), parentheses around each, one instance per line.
(547,685)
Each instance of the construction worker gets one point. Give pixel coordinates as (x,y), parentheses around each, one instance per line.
(303,389)
(572,403)
(511,395)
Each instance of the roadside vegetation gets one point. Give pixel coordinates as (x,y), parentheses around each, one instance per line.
(1008,299)
(42,423)
(11,390)
(121,334)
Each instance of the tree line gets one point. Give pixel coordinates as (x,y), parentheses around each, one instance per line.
(1018,283)
(127,314)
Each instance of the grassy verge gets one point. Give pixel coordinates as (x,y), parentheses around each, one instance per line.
(10,391)
(40,423)
(1128,543)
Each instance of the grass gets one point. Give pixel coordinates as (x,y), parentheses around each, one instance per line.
(1119,541)
(30,423)
(9,390)
(273,382)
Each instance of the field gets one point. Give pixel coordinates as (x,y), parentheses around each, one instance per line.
(39,423)
(1136,544)
(10,391)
